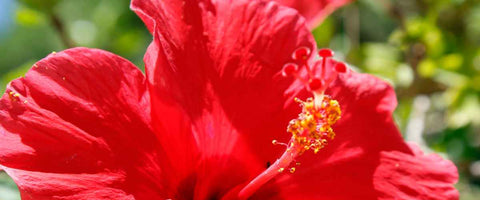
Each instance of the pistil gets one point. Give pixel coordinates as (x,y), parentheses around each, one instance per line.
(312,129)
(276,168)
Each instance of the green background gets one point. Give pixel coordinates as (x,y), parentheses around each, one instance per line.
(427,49)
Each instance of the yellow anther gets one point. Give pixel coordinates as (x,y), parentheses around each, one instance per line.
(292,170)
(13,96)
(297,100)
(313,126)
(281,169)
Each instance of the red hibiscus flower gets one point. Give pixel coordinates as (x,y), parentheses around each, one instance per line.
(314,11)
(87,124)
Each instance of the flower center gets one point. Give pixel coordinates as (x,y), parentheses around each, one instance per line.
(312,129)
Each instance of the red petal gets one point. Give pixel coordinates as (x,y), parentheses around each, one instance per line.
(43,185)
(419,176)
(79,123)
(356,162)
(221,62)
(315,11)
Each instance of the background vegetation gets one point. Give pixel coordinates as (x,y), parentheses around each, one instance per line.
(428,49)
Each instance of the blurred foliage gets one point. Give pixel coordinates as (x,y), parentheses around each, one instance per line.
(427,49)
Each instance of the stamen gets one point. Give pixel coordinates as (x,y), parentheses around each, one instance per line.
(13,96)
(312,129)
(275,142)
(292,170)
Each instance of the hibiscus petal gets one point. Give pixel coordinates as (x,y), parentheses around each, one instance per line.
(78,126)
(419,176)
(69,186)
(220,62)
(358,161)
(315,11)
